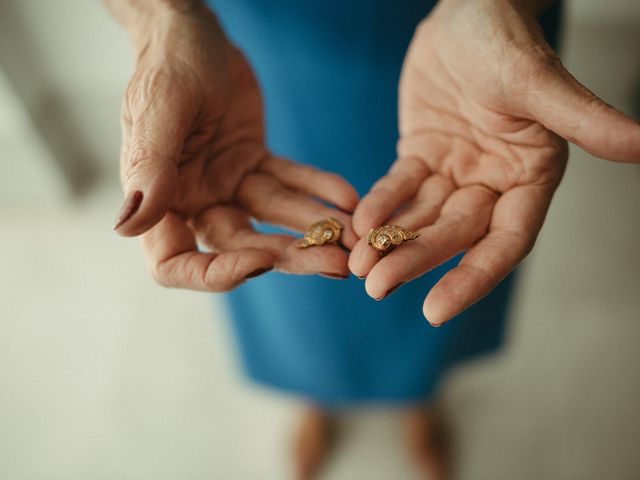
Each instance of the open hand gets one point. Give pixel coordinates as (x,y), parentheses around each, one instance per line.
(485,109)
(194,167)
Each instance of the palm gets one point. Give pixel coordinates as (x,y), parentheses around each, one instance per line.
(475,171)
(455,119)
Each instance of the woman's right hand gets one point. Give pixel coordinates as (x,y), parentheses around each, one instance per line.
(194,166)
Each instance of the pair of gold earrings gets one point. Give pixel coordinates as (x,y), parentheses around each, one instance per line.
(383,238)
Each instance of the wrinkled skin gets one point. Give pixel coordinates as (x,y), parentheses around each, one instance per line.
(194,145)
(485,111)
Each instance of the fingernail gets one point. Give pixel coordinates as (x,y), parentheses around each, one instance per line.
(343,246)
(436,325)
(362,277)
(258,272)
(335,275)
(391,290)
(129,208)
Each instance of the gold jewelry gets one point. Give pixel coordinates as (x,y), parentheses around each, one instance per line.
(387,237)
(324,231)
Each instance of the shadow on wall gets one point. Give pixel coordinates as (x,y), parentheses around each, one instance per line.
(53,119)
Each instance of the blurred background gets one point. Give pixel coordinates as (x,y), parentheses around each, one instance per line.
(104,375)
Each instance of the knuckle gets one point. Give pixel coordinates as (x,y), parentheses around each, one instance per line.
(384,187)
(592,107)
(139,161)
(335,183)
(532,64)
(338,179)
(145,86)
(223,273)
(158,271)
(593,104)
(484,274)
(140,155)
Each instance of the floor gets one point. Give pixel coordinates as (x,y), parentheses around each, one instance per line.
(104,375)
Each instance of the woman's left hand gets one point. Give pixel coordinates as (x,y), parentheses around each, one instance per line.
(485,109)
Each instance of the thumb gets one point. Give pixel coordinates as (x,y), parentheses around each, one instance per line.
(154,132)
(567,107)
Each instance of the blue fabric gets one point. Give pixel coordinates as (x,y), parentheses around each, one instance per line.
(329,72)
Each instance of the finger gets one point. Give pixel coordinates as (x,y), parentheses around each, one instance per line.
(389,193)
(564,105)
(155,124)
(425,208)
(173,257)
(304,178)
(226,229)
(422,211)
(362,258)
(465,218)
(517,219)
(270,201)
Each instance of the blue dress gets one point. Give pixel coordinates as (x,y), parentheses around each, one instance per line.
(329,74)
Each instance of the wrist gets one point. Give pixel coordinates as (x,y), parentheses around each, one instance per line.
(152,23)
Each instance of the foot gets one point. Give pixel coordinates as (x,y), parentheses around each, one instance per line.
(313,442)
(428,442)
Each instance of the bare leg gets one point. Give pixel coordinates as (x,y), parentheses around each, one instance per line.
(428,442)
(313,442)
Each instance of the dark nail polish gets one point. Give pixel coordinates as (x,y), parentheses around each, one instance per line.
(129,208)
(258,272)
(391,290)
(335,275)
(343,247)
